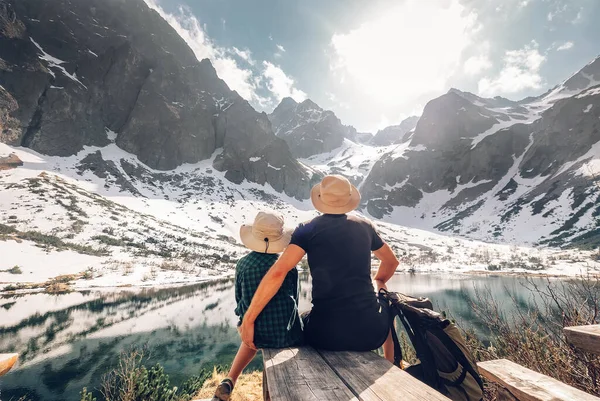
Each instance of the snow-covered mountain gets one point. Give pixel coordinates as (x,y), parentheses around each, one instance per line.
(499,170)
(308,129)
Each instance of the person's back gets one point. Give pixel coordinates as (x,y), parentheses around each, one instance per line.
(346,314)
(339,248)
(278,325)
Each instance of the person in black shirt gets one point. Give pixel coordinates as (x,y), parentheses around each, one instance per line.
(347,314)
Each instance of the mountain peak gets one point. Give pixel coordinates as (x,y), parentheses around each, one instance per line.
(286,101)
(395,134)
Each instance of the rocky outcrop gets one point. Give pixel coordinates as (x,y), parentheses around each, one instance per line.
(74,71)
(10,162)
(395,134)
(308,129)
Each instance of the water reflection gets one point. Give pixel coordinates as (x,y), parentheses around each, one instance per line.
(68,341)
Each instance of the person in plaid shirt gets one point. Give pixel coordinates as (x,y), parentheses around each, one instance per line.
(279,324)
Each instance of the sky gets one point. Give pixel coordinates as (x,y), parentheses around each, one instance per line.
(376,62)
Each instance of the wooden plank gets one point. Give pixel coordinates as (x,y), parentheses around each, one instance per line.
(586,338)
(301,374)
(373,378)
(6,362)
(527,385)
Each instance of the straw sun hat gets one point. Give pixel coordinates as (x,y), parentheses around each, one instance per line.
(335,195)
(267,234)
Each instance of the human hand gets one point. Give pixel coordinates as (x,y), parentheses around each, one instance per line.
(379,284)
(247,334)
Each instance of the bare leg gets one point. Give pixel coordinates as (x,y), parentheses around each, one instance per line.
(243,357)
(388,348)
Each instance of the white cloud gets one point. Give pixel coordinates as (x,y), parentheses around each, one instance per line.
(475,65)
(281,48)
(565,46)
(521,71)
(578,18)
(524,3)
(557,10)
(398,56)
(245,55)
(280,84)
(479,63)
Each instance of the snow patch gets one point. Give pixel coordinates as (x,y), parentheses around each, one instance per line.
(54,62)
(110,134)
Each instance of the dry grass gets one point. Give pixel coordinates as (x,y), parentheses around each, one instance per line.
(247,388)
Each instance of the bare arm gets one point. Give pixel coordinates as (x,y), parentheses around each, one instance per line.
(388,265)
(268,287)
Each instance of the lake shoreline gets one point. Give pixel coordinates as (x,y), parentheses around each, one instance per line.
(78,284)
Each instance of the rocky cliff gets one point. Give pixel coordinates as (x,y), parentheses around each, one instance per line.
(395,134)
(75,74)
(308,129)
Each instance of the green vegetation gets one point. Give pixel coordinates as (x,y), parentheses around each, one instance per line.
(108,240)
(15,270)
(131,380)
(50,241)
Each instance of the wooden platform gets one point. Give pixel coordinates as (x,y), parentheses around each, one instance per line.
(526,385)
(7,361)
(304,374)
(586,338)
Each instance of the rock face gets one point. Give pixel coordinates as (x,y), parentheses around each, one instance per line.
(498,169)
(74,74)
(308,129)
(395,134)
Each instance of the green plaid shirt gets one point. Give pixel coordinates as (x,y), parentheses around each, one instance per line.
(278,325)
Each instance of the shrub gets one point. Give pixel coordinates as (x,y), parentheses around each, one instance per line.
(4,229)
(88,274)
(132,381)
(15,270)
(110,241)
(534,336)
(85,396)
(494,268)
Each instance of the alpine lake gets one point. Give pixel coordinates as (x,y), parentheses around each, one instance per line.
(67,342)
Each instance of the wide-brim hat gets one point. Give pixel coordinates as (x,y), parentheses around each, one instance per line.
(335,195)
(267,234)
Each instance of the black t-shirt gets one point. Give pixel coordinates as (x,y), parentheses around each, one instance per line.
(339,257)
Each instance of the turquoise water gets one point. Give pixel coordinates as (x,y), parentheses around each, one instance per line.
(68,341)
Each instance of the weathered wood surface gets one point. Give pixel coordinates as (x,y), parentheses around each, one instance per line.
(527,385)
(586,338)
(301,374)
(7,361)
(373,378)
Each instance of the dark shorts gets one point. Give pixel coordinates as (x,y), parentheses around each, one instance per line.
(349,330)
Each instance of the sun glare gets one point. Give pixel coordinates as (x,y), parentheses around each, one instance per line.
(411,49)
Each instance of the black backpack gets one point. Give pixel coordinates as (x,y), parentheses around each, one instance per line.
(445,362)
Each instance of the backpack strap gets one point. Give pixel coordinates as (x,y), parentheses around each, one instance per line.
(397,347)
(393,313)
(458,354)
